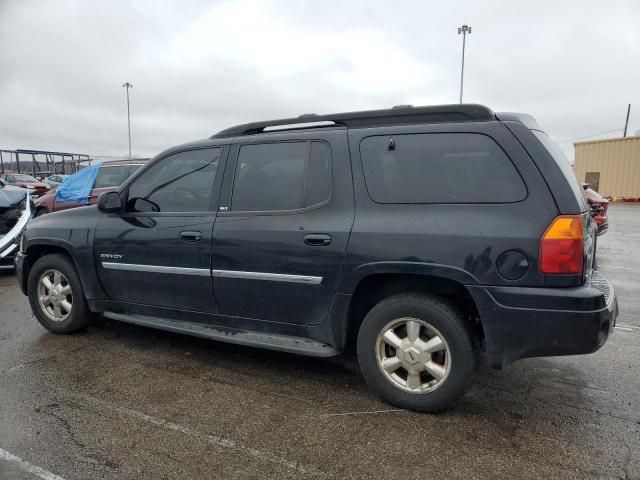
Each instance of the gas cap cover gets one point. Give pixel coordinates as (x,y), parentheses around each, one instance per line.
(512,265)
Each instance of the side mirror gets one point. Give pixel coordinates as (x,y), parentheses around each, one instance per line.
(109,202)
(143,205)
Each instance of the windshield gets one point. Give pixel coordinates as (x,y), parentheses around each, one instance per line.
(21,178)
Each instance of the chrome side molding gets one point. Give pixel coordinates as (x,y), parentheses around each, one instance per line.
(133,267)
(274,277)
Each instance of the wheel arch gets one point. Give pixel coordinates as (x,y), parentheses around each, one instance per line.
(37,248)
(374,287)
(35,251)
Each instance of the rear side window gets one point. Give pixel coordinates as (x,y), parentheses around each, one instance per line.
(111,176)
(133,169)
(439,168)
(281,176)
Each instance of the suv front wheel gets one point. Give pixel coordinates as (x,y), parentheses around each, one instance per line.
(56,295)
(416,352)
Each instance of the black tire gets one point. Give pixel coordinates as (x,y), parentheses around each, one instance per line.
(449,323)
(80,316)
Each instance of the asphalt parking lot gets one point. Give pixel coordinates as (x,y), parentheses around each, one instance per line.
(126,402)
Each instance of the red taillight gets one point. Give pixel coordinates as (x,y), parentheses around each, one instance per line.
(562,246)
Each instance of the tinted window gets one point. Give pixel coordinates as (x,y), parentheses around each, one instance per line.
(270,177)
(182,182)
(563,163)
(111,176)
(133,169)
(439,168)
(319,174)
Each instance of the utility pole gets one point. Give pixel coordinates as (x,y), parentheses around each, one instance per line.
(464,29)
(626,123)
(127,85)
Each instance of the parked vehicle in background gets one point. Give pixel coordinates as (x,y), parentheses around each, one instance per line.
(23,180)
(410,234)
(55,180)
(110,176)
(599,204)
(15,212)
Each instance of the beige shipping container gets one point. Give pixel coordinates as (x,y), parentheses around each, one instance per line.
(611,166)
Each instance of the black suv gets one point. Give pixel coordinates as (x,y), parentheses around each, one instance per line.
(418,235)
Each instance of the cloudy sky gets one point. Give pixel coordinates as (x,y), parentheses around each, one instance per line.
(200,66)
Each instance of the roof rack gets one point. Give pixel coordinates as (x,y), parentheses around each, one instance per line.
(399,115)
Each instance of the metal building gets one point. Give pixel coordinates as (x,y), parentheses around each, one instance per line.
(611,166)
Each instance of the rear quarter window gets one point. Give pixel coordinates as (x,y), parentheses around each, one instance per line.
(439,168)
(565,166)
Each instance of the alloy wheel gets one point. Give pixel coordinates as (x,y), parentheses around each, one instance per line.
(54,295)
(413,355)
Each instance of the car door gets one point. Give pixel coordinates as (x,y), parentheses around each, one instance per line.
(283,226)
(157,251)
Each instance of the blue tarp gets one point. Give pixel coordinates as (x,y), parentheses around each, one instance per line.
(78,186)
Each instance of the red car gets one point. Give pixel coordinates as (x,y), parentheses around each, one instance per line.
(25,181)
(110,176)
(600,205)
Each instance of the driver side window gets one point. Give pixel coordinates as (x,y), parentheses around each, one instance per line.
(182,182)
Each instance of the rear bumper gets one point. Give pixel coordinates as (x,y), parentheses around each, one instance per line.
(536,322)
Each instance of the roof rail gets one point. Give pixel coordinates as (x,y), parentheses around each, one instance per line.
(296,126)
(399,115)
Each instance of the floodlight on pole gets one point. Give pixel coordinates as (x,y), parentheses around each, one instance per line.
(127,85)
(464,29)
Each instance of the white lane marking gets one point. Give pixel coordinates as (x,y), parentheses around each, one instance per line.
(618,267)
(623,328)
(627,326)
(362,413)
(27,467)
(211,439)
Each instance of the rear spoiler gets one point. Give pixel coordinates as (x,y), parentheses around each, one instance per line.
(527,120)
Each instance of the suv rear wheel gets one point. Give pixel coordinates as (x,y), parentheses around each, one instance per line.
(416,352)
(56,295)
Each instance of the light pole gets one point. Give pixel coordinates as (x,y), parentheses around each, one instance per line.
(127,85)
(464,29)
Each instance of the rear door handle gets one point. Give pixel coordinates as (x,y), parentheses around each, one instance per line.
(317,239)
(190,236)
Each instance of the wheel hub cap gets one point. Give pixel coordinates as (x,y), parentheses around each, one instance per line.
(413,355)
(54,295)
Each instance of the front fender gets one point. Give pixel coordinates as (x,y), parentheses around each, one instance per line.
(47,234)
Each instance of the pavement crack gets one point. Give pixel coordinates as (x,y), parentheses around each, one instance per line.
(49,409)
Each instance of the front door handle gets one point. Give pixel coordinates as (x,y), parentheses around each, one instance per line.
(190,236)
(317,239)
